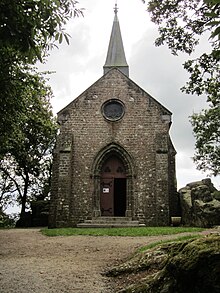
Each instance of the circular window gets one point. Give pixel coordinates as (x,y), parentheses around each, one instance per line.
(113,110)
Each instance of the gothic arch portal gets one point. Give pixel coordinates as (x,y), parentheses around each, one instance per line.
(113,150)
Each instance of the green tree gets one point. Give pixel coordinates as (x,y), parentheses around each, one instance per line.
(6,191)
(182,23)
(27,163)
(28,29)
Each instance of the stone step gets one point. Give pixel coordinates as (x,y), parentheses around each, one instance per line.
(110,219)
(107,225)
(107,222)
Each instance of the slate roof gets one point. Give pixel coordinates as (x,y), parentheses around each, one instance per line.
(116,54)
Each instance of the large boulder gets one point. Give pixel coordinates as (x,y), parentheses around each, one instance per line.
(200,204)
(182,267)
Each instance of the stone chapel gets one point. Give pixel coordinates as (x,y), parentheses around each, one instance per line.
(114,161)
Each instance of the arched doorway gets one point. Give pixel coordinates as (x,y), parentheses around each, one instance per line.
(113,188)
(100,179)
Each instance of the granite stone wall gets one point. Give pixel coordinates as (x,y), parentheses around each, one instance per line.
(140,139)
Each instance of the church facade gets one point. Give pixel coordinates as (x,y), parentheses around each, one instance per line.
(114,157)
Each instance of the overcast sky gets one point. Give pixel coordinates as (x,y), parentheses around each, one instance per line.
(159,73)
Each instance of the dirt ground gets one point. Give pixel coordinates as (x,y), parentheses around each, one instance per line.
(33,263)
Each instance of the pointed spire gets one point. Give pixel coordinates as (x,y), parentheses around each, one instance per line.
(116,55)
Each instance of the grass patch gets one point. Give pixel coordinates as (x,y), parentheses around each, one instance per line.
(179,239)
(132,231)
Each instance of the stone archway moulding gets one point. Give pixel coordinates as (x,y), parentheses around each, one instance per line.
(101,157)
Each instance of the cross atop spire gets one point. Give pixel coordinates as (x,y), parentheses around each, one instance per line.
(116,8)
(116,55)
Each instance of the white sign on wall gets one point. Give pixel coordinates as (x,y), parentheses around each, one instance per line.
(105,190)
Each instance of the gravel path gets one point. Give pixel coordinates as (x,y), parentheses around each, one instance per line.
(33,263)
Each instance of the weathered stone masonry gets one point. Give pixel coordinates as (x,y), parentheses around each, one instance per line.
(140,139)
(114,156)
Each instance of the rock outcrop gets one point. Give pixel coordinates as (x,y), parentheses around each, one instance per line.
(187,266)
(200,204)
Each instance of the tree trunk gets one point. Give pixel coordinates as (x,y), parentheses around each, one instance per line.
(23,205)
(24,196)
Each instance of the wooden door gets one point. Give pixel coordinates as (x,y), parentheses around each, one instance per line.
(106,200)
(113,200)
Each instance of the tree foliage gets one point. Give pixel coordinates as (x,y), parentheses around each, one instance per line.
(28,28)
(206,127)
(6,191)
(31,26)
(27,163)
(6,221)
(182,23)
